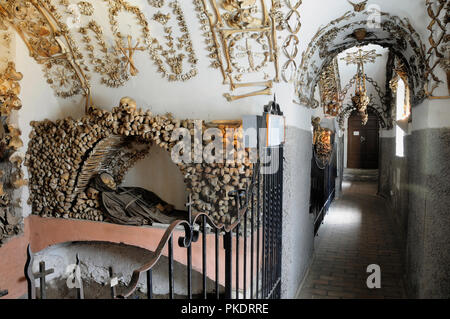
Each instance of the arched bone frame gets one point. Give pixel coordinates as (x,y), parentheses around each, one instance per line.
(59,153)
(396,34)
(374,108)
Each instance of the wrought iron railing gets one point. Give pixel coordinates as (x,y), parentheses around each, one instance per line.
(259,222)
(323,180)
(250,271)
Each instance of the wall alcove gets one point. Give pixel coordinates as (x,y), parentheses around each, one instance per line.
(63,156)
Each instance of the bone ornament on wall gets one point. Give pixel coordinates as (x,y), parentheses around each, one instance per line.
(330,88)
(438,53)
(241,38)
(11,174)
(322,144)
(63,156)
(51,30)
(49,43)
(163,33)
(290,45)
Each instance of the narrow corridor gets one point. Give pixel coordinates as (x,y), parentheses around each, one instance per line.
(357,232)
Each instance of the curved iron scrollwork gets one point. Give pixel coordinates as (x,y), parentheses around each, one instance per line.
(190,236)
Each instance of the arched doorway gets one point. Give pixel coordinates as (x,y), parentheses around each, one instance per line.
(363,142)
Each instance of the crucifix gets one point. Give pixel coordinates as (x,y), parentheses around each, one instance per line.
(129,55)
(113,282)
(80,290)
(248,52)
(41,275)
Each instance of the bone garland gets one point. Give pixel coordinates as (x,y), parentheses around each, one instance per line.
(374,108)
(157,51)
(114,70)
(63,155)
(11,174)
(208,27)
(385,110)
(438,54)
(290,45)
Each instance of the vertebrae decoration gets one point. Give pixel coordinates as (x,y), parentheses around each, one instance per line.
(330,88)
(290,45)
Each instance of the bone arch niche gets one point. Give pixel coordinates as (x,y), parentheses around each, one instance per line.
(351,30)
(64,155)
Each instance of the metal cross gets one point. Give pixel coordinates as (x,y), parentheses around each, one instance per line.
(113,281)
(80,289)
(41,275)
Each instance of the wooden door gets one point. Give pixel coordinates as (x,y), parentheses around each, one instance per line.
(362,142)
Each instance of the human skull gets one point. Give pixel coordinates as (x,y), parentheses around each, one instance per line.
(92,193)
(127,104)
(108,180)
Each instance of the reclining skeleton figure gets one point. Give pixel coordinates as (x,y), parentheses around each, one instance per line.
(133,205)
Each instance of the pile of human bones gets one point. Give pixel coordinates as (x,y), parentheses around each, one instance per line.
(11,174)
(64,155)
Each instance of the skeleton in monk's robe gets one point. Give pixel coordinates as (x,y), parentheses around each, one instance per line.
(133,205)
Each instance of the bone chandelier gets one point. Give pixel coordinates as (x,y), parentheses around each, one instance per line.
(361,100)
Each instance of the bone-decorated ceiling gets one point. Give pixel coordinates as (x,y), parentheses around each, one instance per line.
(350,30)
(252,43)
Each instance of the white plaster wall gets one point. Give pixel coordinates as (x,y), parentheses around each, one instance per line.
(431,114)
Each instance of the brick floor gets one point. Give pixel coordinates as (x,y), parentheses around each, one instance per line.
(356,232)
